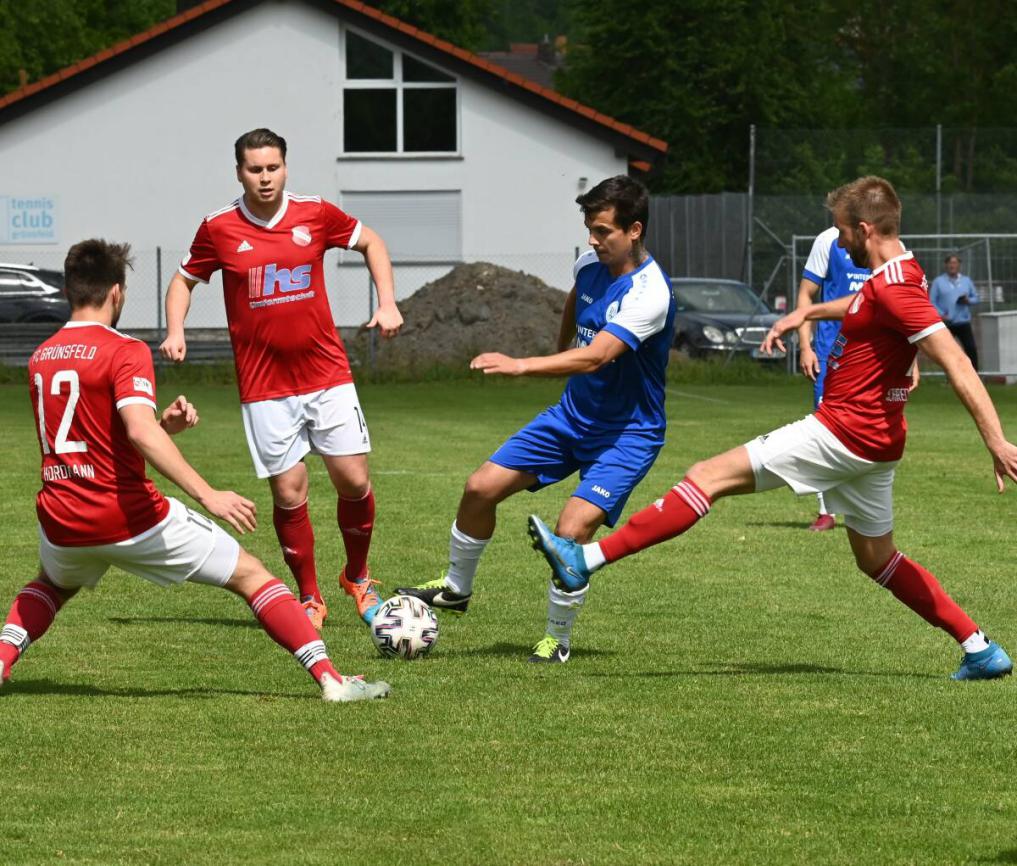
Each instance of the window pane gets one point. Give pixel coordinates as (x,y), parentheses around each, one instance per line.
(366,59)
(414,70)
(369,121)
(429,120)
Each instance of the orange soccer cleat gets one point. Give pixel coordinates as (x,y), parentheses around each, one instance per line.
(364,594)
(315,610)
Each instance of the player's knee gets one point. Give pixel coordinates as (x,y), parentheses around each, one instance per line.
(249,576)
(577,530)
(65,594)
(873,561)
(478,488)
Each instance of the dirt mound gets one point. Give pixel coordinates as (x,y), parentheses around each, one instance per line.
(474,308)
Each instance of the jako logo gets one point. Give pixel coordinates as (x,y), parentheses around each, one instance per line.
(598,489)
(262,282)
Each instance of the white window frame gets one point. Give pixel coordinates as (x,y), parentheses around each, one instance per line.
(395,83)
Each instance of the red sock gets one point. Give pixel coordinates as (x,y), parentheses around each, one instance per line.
(32,612)
(296,537)
(285,621)
(677,512)
(920,591)
(356,522)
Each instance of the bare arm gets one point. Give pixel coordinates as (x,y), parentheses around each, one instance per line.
(604,348)
(154,444)
(567,328)
(375,253)
(835,310)
(178,302)
(941,347)
(807,360)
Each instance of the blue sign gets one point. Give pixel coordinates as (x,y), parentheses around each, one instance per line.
(28,219)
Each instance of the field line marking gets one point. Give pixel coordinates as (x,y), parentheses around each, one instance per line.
(677,393)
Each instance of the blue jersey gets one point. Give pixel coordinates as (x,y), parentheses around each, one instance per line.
(638,308)
(831,268)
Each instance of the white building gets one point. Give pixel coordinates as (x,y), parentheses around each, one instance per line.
(450,157)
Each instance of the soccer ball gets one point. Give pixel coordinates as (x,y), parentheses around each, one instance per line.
(404,627)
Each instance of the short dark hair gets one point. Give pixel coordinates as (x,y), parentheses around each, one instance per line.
(869,199)
(92,268)
(257,138)
(950,257)
(629,198)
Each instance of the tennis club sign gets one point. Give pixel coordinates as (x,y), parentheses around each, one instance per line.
(28,219)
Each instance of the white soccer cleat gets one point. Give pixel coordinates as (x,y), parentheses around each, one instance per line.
(348,689)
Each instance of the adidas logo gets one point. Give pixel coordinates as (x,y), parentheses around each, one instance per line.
(244,247)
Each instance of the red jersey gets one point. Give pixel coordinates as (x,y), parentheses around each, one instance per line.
(284,339)
(869,368)
(94,489)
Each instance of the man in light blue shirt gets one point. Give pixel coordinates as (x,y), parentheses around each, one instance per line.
(953,294)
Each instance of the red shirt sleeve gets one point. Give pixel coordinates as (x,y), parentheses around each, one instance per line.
(906,308)
(203,260)
(133,375)
(341,230)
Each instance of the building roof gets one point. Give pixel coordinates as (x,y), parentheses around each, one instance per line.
(641,147)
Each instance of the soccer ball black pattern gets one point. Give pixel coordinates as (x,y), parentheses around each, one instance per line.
(404,627)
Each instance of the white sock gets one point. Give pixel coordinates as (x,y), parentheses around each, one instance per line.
(822,503)
(976,643)
(562,610)
(463,558)
(593,556)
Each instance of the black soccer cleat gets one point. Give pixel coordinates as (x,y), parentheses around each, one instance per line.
(550,651)
(437,595)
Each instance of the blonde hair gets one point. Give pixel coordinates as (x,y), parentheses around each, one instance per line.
(869,199)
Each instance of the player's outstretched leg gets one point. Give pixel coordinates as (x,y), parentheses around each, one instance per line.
(31,614)
(918,588)
(572,564)
(282,617)
(471,532)
(453,590)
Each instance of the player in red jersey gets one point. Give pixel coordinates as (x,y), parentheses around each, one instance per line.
(296,387)
(93,391)
(850,447)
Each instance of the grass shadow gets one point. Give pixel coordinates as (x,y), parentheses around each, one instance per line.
(505,649)
(51,687)
(137,620)
(787,524)
(1007,856)
(740,669)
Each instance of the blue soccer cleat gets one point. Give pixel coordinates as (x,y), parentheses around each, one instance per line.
(988,664)
(568,565)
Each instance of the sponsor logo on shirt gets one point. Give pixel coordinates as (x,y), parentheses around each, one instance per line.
(896,395)
(244,247)
(264,282)
(142,384)
(301,236)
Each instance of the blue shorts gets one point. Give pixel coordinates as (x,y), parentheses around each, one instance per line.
(610,465)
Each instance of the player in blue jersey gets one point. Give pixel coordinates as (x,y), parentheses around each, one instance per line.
(829,274)
(609,423)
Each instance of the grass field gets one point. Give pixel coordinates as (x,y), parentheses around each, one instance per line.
(739,696)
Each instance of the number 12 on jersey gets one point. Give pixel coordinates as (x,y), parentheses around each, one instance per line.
(61,445)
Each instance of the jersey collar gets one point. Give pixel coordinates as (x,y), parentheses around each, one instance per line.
(903,257)
(269,224)
(82,323)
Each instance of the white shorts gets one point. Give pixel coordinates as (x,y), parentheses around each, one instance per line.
(280,433)
(183,546)
(808,458)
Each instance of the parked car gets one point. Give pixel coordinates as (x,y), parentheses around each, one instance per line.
(718,316)
(31,294)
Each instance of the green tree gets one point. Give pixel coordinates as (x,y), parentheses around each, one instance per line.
(461,22)
(38,37)
(697,73)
